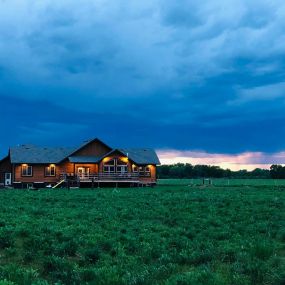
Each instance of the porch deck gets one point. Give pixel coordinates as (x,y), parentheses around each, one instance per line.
(105,178)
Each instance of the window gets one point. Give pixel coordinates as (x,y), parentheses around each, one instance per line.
(27,170)
(144,171)
(109,167)
(147,171)
(50,170)
(122,167)
(141,170)
(135,169)
(115,166)
(110,162)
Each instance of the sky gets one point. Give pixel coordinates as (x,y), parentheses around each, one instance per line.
(199,81)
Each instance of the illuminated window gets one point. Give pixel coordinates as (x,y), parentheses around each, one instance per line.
(115,166)
(27,170)
(144,170)
(109,166)
(50,170)
(147,169)
(122,166)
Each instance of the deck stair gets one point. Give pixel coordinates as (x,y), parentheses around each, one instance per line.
(58,184)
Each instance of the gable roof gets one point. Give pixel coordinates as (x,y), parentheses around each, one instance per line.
(111,152)
(141,155)
(137,155)
(87,142)
(2,159)
(34,154)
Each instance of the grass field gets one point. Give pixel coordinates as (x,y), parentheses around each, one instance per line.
(170,234)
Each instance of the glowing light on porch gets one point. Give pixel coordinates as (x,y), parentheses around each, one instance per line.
(124,159)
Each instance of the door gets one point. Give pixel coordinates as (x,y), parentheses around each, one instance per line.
(83,172)
(8,179)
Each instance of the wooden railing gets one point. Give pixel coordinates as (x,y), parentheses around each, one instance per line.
(101,176)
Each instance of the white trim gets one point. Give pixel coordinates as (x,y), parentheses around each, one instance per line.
(8,181)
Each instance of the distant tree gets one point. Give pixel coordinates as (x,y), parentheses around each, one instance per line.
(188,170)
(277,171)
(260,173)
(181,170)
(163,171)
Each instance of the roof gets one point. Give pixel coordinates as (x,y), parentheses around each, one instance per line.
(34,154)
(137,155)
(87,142)
(84,159)
(2,159)
(43,155)
(141,155)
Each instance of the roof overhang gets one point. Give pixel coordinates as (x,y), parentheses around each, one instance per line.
(112,152)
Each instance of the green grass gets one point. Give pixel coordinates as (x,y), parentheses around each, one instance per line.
(174,234)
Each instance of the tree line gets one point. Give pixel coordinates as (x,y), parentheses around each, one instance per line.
(186,170)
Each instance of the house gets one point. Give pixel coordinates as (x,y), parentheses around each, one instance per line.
(93,163)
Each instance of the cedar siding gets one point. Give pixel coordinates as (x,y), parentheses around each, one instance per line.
(94,148)
(38,174)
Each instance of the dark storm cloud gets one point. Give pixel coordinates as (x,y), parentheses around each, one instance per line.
(164,74)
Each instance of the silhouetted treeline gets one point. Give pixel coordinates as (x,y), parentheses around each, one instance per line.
(277,171)
(181,170)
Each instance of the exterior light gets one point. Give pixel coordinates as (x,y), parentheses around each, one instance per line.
(124,159)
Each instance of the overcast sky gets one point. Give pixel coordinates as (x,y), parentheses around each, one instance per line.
(185,77)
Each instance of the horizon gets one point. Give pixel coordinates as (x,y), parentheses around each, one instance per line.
(235,162)
(198,82)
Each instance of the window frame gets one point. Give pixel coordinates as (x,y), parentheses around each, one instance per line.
(147,171)
(122,167)
(50,174)
(25,170)
(144,171)
(108,167)
(115,166)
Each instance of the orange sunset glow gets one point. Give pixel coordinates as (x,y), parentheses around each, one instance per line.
(246,160)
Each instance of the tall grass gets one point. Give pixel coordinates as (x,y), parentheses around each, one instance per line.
(179,234)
